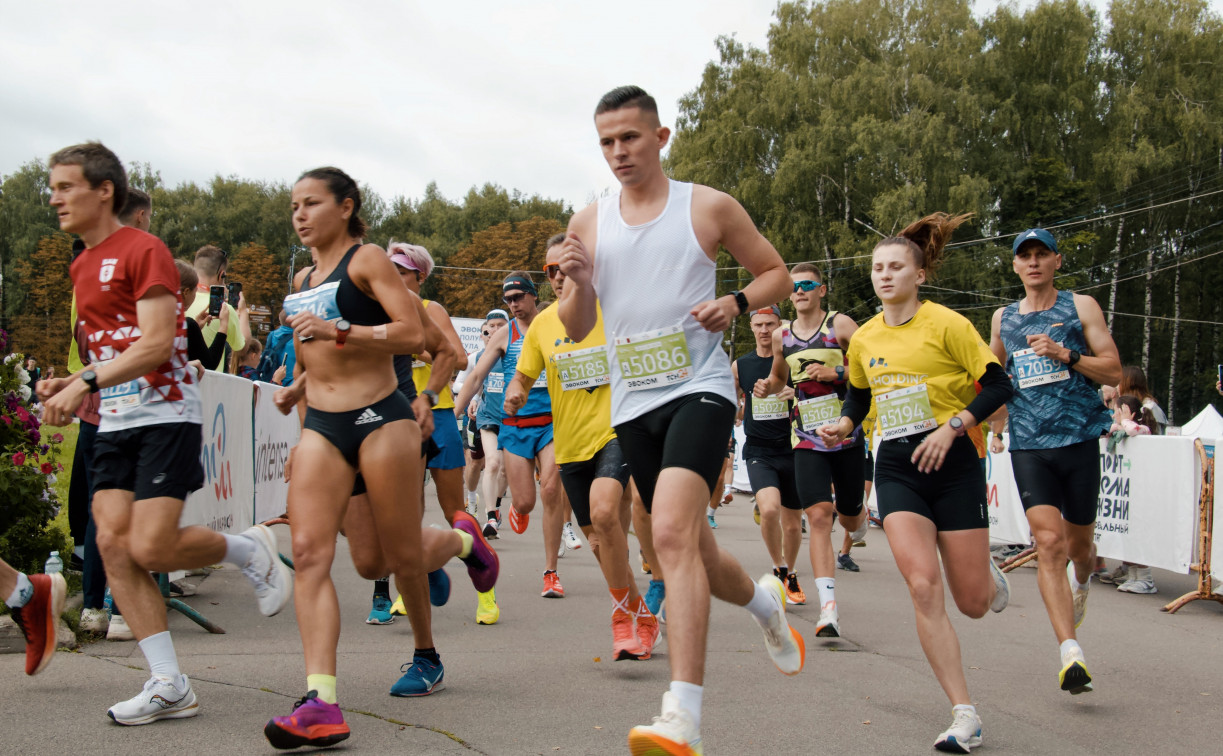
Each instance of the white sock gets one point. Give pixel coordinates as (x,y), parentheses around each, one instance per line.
(22,593)
(710,511)
(1068,646)
(159,650)
(763,605)
(966,707)
(689,696)
(825,587)
(238,549)
(471,496)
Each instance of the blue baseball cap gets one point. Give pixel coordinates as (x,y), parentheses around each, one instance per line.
(1037,235)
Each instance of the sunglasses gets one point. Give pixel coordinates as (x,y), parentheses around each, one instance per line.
(512,298)
(807,285)
(551,269)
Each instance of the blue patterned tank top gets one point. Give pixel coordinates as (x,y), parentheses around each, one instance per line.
(1053,405)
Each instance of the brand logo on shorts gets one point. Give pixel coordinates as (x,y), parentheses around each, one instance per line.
(368,416)
(161,478)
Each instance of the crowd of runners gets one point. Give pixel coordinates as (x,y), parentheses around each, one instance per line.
(613,407)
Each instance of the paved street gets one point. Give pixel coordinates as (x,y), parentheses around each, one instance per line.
(540,682)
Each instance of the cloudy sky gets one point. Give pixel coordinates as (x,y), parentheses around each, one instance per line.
(396,93)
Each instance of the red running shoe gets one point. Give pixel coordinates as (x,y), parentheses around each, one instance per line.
(552,585)
(518,520)
(38,620)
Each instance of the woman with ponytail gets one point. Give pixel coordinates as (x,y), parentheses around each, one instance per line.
(920,362)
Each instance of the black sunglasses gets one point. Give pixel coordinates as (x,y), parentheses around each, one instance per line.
(512,298)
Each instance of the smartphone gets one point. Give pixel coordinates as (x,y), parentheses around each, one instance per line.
(216,297)
(235,288)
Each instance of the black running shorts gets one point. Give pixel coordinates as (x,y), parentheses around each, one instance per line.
(577,477)
(772,468)
(153,461)
(1067,478)
(953,497)
(820,474)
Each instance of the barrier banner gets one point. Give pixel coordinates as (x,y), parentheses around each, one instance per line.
(468,330)
(224,503)
(275,435)
(1007,522)
(739,480)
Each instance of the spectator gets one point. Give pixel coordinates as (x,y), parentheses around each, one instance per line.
(1134,383)
(199,347)
(31,367)
(248,360)
(210,268)
(279,353)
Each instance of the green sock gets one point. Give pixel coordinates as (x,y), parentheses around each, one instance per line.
(467,542)
(324,685)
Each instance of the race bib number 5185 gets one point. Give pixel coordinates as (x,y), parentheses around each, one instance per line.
(654,359)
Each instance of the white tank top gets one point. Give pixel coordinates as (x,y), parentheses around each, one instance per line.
(648,278)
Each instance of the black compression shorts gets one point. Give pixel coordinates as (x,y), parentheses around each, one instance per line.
(953,497)
(577,477)
(1067,478)
(820,473)
(772,468)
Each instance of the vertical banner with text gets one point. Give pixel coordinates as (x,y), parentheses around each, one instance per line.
(275,435)
(224,504)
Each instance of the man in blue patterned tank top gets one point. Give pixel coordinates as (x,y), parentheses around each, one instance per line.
(1055,346)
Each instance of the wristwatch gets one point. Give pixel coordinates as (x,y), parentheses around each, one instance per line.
(957,425)
(1074,358)
(342,327)
(91,379)
(741,300)
(840,372)
(430,396)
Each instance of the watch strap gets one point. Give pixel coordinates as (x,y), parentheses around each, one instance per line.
(741,301)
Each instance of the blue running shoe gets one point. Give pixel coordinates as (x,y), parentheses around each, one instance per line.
(654,596)
(380,614)
(712,522)
(439,587)
(420,678)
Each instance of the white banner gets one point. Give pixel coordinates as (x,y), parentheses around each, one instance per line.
(469,333)
(1007,522)
(225,503)
(275,435)
(739,480)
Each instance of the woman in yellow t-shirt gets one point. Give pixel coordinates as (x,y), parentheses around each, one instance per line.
(920,362)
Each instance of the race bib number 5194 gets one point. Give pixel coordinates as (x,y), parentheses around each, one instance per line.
(905,411)
(654,359)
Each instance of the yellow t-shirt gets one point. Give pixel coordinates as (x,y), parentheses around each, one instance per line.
(422,371)
(233,337)
(581,417)
(938,347)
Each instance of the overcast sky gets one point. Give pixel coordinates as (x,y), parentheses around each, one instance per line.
(396,93)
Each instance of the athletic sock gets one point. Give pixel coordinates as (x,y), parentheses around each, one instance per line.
(619,600)
(429,654)
(467,543)
(710,511)
(323,685)
(825,587)
(383,587)
(471,497)
(22,593)
(762,606)
(158,649)
(497,506)
(965,707)
(642,608)
(238,549)
(689,696)
(1068,646)
(1075,585)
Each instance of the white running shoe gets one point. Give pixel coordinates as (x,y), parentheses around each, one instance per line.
(118,629)
(829,625)
(1079,595)
(784,643)
(560,553)
(1141,581)
(1003,596)
(162,698)
(570,537)
(672,732)
(270,577)
(95,621)
(963,735)
(860,533)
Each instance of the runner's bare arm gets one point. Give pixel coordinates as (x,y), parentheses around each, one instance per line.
(516,393)
(577,304)
(777,375)
(441,351)
(475,378)
(1103,365)
(995,336)
(844,327)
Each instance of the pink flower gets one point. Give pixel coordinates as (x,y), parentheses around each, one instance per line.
(19,459)
(46,468)
(57,438)
(7,420)
(22,414)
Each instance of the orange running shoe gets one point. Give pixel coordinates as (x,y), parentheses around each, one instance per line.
(794,594)
(552,585)
(518,520)
(39,618)
(625,644)
(648,629)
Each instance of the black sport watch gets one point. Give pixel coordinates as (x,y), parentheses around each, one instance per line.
(741,300)
(1074,358)
(91,379)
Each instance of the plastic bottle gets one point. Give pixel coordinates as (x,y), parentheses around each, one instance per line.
(54,563)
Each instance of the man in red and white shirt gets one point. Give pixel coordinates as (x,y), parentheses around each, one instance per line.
(147,453)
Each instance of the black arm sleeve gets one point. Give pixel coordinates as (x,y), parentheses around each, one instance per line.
(857,404)
(996,390)
(199,349)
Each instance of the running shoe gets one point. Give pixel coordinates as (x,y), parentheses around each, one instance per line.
(421,678)
(794,594)
(829,625)
(1118,576)
(645,566)
(439,587)
(1141,581)
(118,629)
(492,525)
(784,643)
(860,544)
(518,520)
(569,537)
(270,577)
(648,630)
(398,608)
(380,612)
(712,522)
(482,563)
(847,563)
(860,533)
(1079,595)
(728,495)
(756,513)
(487,611)
(95,621)
(39,618)
(473,508)
(314,722)
(552,585)
(654,596)
(1074,678)
(804,521)
(1003,595)
(673,733)
(963,735)
(625,644)
(781,573)
(161,698)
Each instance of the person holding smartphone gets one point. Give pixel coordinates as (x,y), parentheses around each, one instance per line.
(210,267)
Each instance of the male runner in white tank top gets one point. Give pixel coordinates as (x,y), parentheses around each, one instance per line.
(647,253)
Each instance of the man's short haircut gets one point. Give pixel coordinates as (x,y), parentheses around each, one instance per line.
(187,277)
(555,239)
(810,269)
(136,201)
(98,164)
(209,260)
(627,97)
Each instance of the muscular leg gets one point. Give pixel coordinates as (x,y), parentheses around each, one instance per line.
(555,504)
(605,516)
(494,482)
(1049,533)
(791,534)
(768,500)
(819,523)
(8,579)
(520,472)
(643,526)
(471,474)
(449,486)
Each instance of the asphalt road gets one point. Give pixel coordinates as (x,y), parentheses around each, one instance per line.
(540,681)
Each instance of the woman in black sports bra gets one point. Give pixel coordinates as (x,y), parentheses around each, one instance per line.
(350,314)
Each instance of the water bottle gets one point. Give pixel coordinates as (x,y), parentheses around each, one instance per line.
(54,564)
